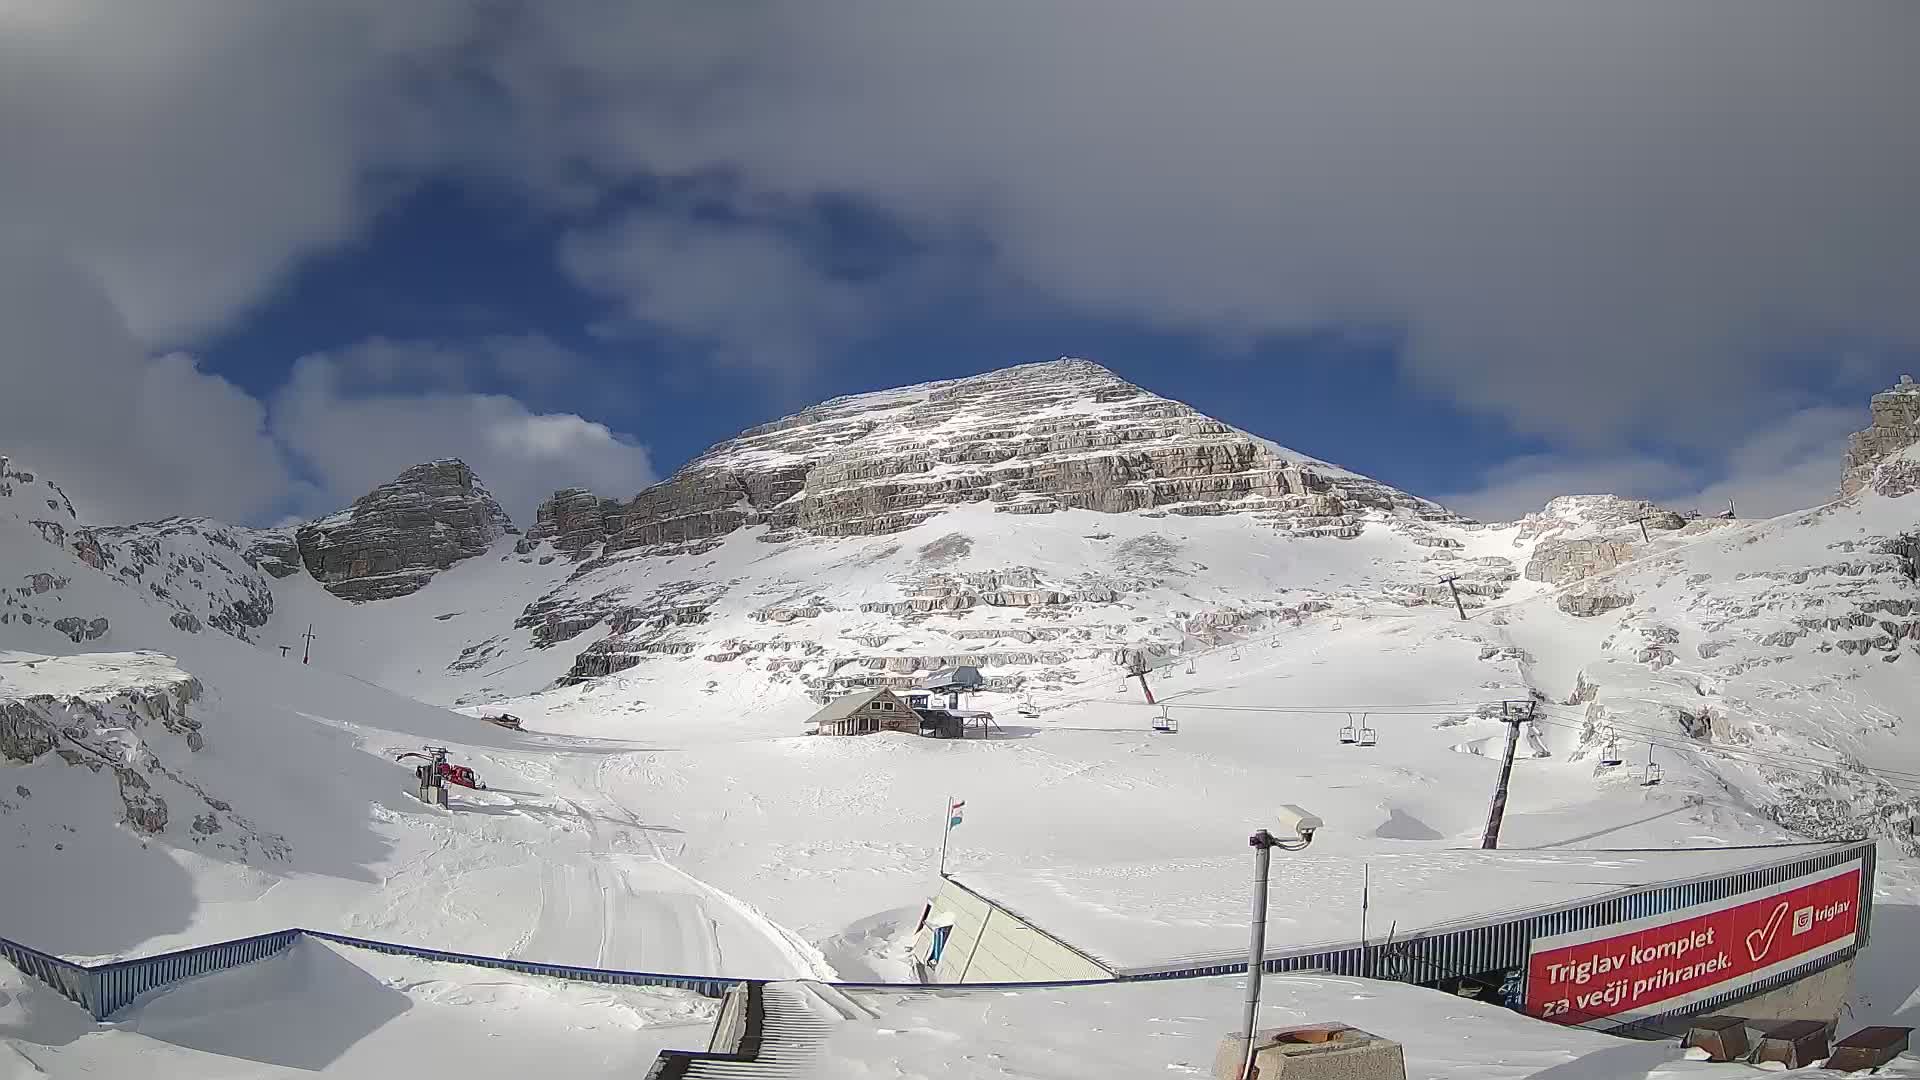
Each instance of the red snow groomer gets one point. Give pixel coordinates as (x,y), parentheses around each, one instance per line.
(448,773)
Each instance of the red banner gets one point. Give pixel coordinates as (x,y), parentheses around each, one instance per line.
(1592,975)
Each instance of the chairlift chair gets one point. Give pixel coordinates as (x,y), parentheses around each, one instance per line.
(1236,654)
(1028,709)
(1610,757)
(1368,736)
(1654,775)
(1349,734)
(1190,668)
(1165,723)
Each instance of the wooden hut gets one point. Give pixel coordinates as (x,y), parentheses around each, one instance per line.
(864,713)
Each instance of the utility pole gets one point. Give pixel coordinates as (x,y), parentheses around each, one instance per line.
(306,654)
(1513,721)
(1138,670)
(1642,522)
(1457,605)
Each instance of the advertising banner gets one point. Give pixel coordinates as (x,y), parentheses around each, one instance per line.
(1664,962)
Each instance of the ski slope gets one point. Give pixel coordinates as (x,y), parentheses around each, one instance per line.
(672,815)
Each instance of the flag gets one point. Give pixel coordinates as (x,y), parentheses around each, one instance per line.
(954,812)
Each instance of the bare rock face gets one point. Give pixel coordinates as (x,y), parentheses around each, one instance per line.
(211,574)
(574,519)
(1895,426)
(1558,562)
(396,537)
(1578,536)
(1032,439)
(1591,602)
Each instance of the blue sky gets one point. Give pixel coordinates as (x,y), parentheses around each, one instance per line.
(255,263)
(448,266)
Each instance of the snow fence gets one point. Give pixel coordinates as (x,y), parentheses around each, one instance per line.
(1432,954)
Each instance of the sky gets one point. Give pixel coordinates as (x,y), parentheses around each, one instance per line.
(256,259)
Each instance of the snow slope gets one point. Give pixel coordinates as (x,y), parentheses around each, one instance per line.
(285,808)
(670,815)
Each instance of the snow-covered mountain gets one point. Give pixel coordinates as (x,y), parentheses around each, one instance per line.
(1046,523)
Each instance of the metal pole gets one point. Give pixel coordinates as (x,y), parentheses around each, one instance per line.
(946,820)
(1262,843)
(1457,605)
(1499,809)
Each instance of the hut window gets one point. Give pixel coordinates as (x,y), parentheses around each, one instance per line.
(888,705)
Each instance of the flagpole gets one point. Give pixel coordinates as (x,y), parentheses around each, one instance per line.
(1366,954)
(947,817)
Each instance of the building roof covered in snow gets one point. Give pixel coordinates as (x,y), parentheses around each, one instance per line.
(845,706)
(958,678)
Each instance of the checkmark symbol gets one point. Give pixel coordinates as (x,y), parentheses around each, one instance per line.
(1760,942)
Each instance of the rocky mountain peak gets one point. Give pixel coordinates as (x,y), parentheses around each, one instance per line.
(1895,426)
(393,539)
(1031,439)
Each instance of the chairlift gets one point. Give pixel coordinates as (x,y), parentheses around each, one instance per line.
(1165,723)
(1190,668)
(1610,757)
(1368,736)
(1028,709)
(1654,772)
(1349,734)
(1236,654)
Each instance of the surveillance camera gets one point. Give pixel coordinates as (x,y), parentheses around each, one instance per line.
(1294,819)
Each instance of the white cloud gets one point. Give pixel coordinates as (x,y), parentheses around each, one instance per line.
(189,152)
(135,437)
(129,436)
(1592,220)
(1786,466)
(740,289)
(351,441)
(1604,223)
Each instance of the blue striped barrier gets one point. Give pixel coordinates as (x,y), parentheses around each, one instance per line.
(119,982)
(70,980)
(705,985)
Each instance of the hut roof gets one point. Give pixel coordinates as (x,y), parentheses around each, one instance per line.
(842,708)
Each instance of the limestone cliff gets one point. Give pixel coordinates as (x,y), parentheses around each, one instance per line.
(1895,426)
(397,536)
(1032,439)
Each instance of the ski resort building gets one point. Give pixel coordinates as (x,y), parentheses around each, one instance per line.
(1604,939)
(864,713)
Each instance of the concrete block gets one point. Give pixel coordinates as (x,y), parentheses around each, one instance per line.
(1314,1052)
(1869,1048)
(1724,1038)
(1793,1043)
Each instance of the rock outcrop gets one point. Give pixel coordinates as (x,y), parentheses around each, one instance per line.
(1032,439)
(211,574)
(395,538)
(574,519)
(1577,536)
(1895,426)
